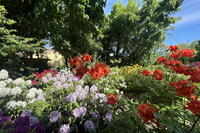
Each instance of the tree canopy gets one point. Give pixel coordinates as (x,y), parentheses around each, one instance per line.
(72,27)
(13,47)
(132,30)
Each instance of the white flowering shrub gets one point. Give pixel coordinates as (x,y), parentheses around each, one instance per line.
(17,93)
(59,99)
(70,102)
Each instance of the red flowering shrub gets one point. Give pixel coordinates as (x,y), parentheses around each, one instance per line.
(184,88)
(175,55)
(161,60)
(98,71)
(112,100)
(187,53)
(158,74)
(146,72)
(146,112)
(194,106)
(173,48)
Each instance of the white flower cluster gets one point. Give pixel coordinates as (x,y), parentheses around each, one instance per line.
(4,91)
(8,87)
(3,74)
(15,91)
(7,91)
(35,95)
(22,83)
(13,104)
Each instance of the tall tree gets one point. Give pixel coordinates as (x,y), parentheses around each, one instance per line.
(132,30)
(69,25)
(13,47)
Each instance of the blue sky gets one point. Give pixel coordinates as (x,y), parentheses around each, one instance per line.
(186,30)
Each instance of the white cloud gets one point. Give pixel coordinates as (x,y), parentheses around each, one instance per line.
(188,19)
(189,3)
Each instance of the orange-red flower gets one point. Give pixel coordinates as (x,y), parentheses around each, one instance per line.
(146,112)
(184,88)
(99,70)
(173,48)
(146,72)
(86,58)
(158,74)
(194,106)
(75,61)
(112,99)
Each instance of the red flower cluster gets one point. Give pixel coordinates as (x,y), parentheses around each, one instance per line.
(187,53)
(112,100)
(173,48)
(75,61)
(98,71)
(194,106)
(86,58)
(178,66)
(146,112)
(158,74)
(146,72)
(40,75)
(195,76)
(184,88)
(161,60)
(175,55)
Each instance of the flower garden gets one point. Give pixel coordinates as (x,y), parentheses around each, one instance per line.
(91,97)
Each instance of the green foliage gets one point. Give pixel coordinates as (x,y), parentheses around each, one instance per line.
(71,26)
(132,31)
(13,47)
(135,85)
(10,43)
(196,46)
(175,119)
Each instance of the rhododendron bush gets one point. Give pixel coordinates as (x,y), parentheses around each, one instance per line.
(89,97)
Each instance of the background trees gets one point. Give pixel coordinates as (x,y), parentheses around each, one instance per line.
(13,47)
(128,34)
(69,25)
(134,30)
